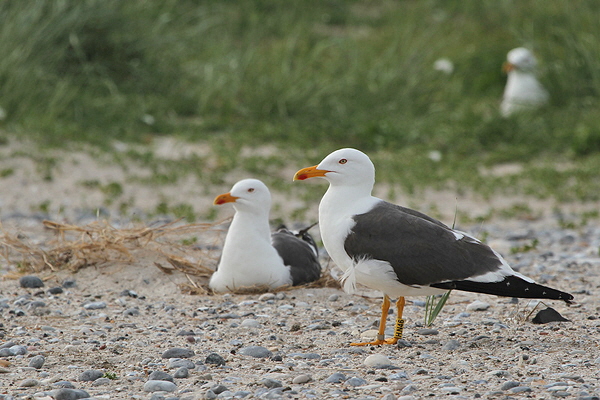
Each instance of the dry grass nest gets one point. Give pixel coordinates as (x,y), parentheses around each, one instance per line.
(190,249)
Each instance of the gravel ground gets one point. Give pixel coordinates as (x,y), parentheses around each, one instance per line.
(128,331)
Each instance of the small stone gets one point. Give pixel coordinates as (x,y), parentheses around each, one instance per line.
(95,305)
(218,389)
(398,376)
(182,372)
(18,350)
(131,312)
(548,315)
(521,389)
(451,344)
(336,377)
(210,395)
(90,375)
(428,331)
(355,381)
(37,362)
(69,283)
(159,386)
(215,359)
(478,305)
(271,383)
(101,382)
(160,376)
(31,282)
(256,351)
(377,361)
(250,323)
(403,343)
(300,379)
(64,384)
(178,352)
(55,290)
(181,363)
(29,383)
(509,385)
(389,396)
(69,394)
(499,373)
(266,297)
(333,297)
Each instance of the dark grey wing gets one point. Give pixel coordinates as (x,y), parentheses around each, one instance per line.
(421,250)
(303,235)
(424,251)
(298,255)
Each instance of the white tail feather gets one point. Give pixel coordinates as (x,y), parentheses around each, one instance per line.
(349,280)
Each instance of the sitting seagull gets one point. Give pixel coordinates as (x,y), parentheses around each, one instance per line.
(522,91)
(251,255)
(403,252)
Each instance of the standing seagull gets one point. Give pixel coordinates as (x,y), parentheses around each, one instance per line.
(400,251)
(251,255)
(522,91)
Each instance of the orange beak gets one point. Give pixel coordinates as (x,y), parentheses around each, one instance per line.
(224,198)
(309,172)
(507,67)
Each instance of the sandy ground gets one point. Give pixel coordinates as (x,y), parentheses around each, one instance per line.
(493,353)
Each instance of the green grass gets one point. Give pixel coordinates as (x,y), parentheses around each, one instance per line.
(311,75)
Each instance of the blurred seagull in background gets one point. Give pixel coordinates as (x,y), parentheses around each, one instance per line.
(523,91)
(253,257)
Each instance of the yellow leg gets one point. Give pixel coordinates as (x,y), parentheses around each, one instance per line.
(399,329)
(385,307)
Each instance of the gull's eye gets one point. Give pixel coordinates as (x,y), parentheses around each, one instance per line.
(343,161)
(250,190)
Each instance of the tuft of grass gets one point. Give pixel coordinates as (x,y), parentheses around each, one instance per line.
(434,305)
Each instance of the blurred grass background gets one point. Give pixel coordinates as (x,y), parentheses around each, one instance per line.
(310,74)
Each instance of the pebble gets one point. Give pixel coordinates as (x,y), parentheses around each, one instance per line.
(95,305)
(509,385)
(64,384)
(428,331)
(159,386)
(29,383)
(377,361)
(218,389)
(90,375)
(101,382)
(300,379)
(181,363)
(250,323)
(182,372)
(256,351)
(266,297)
(55,290)
(478,305)
(69,394)
(178,352)
(160,376)
(355,381)
(451,344)
(31,282)
(270,383)
(37,361)
(336,377)
(17,350)
(215,359)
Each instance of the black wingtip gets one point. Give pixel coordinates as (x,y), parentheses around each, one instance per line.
(510,286)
